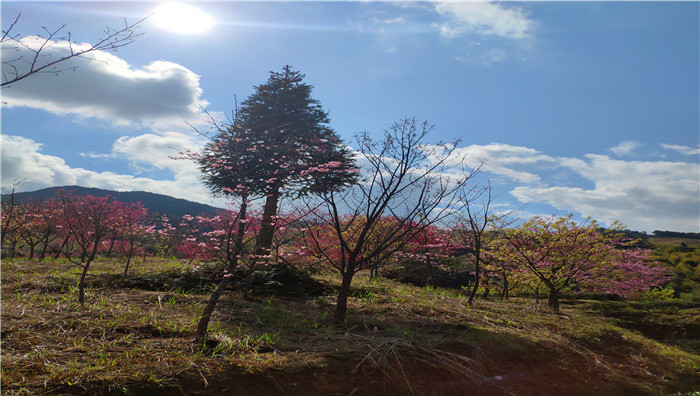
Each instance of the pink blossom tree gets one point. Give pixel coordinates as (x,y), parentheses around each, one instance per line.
(566,256)
(88,220)
(131,224)
(222,237)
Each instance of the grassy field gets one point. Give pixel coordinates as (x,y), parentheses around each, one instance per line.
(134,336)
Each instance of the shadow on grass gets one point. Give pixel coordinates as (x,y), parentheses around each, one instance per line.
(372,354)
(674,323)
(277,281)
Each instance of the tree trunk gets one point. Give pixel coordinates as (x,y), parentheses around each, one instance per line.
(267,226)
(81,283)
(111,245)
(374,271)
(341,306)
(128,261)
(504,294)
(42,255)
(63,246)
(477,271)
(248,283)
(487,291)
(203,323)
(472,295)
(553,300)
(130,253)
(13,249)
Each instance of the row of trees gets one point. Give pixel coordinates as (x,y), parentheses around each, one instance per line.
(355,209)
(555,254)
(76,227)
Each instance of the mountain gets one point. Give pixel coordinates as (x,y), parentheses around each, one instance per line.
(155,203)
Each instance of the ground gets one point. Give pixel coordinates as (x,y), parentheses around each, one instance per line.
(135,336)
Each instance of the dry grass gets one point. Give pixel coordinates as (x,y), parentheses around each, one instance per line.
(398,339)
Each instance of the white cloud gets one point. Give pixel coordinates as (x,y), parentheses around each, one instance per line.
(471,28)
(504,159)
(484,18)
(644,195)
(22,158)
(101,85)
(158,150)
(626,147)
(682,149)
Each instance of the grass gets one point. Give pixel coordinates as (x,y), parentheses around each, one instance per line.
(134,335)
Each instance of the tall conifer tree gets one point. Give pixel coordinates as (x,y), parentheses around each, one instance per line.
(280,143)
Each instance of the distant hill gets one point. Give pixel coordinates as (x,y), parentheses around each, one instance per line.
(663,236)
(155,203)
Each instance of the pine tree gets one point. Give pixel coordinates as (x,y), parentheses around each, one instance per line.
(280,143)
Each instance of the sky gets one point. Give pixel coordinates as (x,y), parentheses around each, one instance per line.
(590,108)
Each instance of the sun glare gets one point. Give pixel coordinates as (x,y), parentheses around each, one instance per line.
(182,18)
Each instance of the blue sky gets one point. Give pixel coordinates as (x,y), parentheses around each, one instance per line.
(588,108)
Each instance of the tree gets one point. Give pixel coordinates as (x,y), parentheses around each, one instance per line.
(32,227)
(683,261)
(87,220)
(131,224)
(222,238)
(279,143)
(16,221)
(25,56)
(476,229)
(566,256)
(406,180)
(9,225)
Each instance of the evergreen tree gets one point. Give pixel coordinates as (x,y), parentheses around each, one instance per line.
(280,143)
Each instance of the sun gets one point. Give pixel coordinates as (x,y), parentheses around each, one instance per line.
(182,18)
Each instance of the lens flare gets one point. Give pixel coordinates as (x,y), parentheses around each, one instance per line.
(182,18)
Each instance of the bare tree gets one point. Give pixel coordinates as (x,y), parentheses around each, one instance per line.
(474,227)
(8,208)
(25,56)
(406,190)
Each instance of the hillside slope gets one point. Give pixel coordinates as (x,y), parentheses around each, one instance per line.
(155,203)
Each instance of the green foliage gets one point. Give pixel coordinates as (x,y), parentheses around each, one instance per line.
(658,295)
(683,261)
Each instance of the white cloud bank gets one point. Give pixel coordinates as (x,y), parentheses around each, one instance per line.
(644,195)
(22,158)
(101,85)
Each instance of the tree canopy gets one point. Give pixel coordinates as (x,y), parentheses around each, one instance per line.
(279,142)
